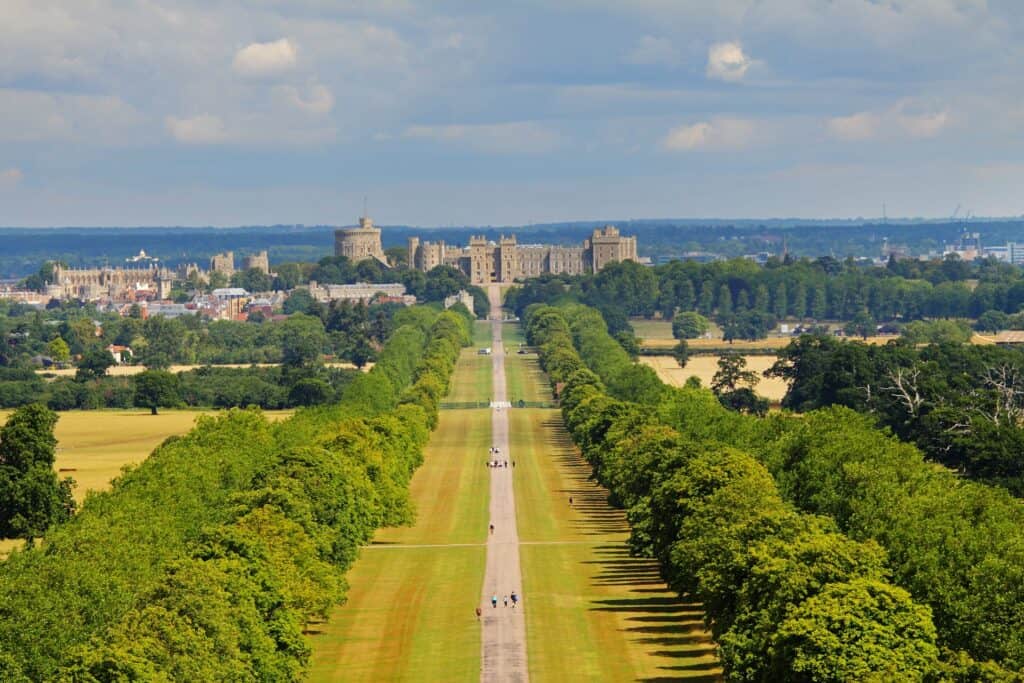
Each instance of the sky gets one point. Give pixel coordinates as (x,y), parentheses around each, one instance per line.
(219,112)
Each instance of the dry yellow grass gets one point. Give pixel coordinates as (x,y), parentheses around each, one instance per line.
(705,367)
(93,445)
(129,370)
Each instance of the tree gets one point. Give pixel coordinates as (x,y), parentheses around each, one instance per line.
(289,275)
(94,364)
(861,630)
(734,385)
(157,389)
(299,301)
(689,325)
(218,280)
(59,350)
(309,392)
(724,303)
(990,321)
(302,341)
(681,352)
(862,325)
(31,497)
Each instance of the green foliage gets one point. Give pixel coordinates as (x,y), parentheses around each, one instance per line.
(94,364)
(31,497)
(789,597)
(689,325)
(157,389)
(205,561)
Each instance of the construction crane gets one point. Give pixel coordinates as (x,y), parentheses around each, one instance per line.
(955,212)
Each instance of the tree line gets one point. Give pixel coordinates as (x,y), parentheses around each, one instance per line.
(206,561)
(822,548)
(748,300)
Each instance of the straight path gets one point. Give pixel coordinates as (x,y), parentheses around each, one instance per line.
(503,642)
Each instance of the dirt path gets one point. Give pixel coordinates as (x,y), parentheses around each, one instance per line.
(503,642)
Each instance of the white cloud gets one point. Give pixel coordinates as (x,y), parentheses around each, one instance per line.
(204,129)
(924,125)
(259,60)
(517,137)
(905,118)
(720,133)
(860,126)
(317,99)
(654,51)
(10,178)
(726,62)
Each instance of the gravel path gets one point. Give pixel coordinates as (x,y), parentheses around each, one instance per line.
(503,639)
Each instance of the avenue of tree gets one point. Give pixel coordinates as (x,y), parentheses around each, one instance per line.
(822,547)
(206,561)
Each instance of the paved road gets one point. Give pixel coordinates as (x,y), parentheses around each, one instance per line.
(503,640)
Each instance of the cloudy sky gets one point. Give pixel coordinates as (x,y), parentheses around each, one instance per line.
(200,112)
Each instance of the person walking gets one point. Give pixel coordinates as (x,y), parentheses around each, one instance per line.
(479,611)
(494,600)
(515,599)
(506,601)
(492,529)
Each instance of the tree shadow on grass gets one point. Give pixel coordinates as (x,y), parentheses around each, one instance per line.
(659,623)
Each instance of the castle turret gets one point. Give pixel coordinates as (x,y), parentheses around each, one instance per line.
(361,242)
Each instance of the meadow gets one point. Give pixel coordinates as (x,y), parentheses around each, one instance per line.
(705,367)
(93,445)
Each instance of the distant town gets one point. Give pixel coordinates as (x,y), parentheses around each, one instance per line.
(143,285)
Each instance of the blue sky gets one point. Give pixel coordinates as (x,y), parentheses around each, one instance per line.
(200,112)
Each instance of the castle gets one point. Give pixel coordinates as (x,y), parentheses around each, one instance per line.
(485,261)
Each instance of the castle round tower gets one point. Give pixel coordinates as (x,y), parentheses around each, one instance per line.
(359,242)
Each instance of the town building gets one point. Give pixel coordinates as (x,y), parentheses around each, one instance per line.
(364,292)
(461,297)
(90,284)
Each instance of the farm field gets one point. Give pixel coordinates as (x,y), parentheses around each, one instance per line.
(592,611)
(409,614)
(705,367)
(129,370)
(93,445)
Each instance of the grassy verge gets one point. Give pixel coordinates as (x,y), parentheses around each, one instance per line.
(472,378)
(409,614)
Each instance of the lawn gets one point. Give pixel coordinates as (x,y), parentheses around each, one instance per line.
(593,612)
(705,367)
(93,445)
(409,614)
(471,380)
(653,329)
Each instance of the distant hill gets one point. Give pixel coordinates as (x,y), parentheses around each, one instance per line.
(23,250)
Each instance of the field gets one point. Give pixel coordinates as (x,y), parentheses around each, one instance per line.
(129,370)
(93,445)
(523,376)
(705,367)
(409,614)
